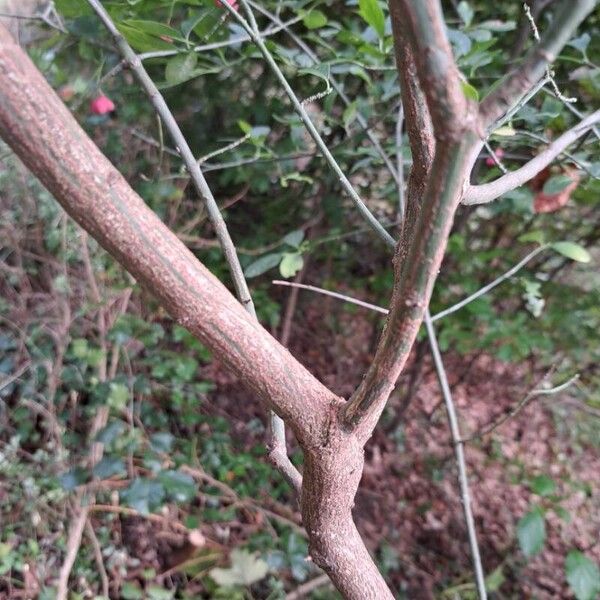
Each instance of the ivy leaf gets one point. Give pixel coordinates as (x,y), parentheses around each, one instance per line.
(180,68)
(245,569)
(143,494)
(573,251)
(583,575)
(290,264)
(178,485)
(372,13)
(109,466)
(531,532)
(263,264)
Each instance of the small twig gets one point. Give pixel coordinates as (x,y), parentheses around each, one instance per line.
(549,72)
(306,588)
(130,512)
(337,295)
(227,148)
(89,529)
(223,44)
(440,315)
(73,543)
(494,157)
(252,28)
(20,371)
(532,394)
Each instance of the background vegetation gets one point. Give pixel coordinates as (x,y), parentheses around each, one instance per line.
(185,506)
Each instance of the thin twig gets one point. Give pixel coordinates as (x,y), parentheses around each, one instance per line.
(490,286)
(532,394)
(335,85)
(440,315)
(89,529)
(306,588)
(337,295)
(458,443)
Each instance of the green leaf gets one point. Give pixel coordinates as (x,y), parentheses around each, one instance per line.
(143,494)
(531,532)
(118,396)
(73,478)
(573,251)
(109,466)
(73,8)
(583,575)
(290,264)
(556,184)
(465,12)
(314,19)
(469,91)
(162,441)
(372,13)
(131,591)
(141,41)
(177,485)
(542,485)
(156,592)
(294,238)
(262,265)
(154,28)
(180,68)
(110,433)
(505,131)
(494,580)
(245,569)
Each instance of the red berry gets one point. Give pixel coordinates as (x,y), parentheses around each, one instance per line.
(101,105)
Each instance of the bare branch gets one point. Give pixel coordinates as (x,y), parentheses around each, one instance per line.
(520,80)
(486,192)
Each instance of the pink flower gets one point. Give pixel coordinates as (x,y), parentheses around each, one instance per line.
(101,105)
(232,3)
(490,162)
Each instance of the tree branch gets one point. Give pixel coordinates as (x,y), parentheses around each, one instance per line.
(486,192)
(44,134)
(510,89)
(420,251)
